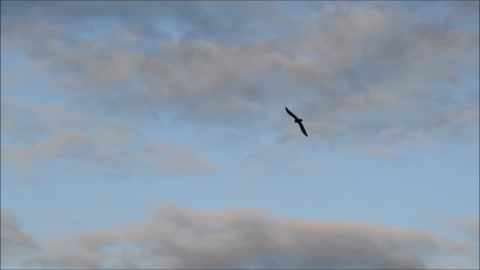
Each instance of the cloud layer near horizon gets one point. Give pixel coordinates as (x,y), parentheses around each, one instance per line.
(174,237)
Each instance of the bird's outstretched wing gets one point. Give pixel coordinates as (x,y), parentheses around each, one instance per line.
(289,112)
(303,128)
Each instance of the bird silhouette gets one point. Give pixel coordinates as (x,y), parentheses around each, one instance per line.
(297,120)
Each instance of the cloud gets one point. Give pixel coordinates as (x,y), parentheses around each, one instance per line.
(372,75)
(471,226)
(15,241)
(174,237)
(177,159)
(468,226)
(46,133)
(194,20)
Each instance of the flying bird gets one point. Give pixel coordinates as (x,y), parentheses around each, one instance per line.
(297,120)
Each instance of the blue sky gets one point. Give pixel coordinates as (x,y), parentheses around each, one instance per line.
(153,134)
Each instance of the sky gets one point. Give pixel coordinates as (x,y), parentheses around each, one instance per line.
(153,134)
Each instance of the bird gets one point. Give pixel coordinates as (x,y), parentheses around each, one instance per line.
(297,120)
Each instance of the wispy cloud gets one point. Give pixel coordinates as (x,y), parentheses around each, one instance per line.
(468,226)
(50,132)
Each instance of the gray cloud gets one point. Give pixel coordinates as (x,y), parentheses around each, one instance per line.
(238,238)
(469,226)
(14,240)
(194,20)
(378,74)
(466,227)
